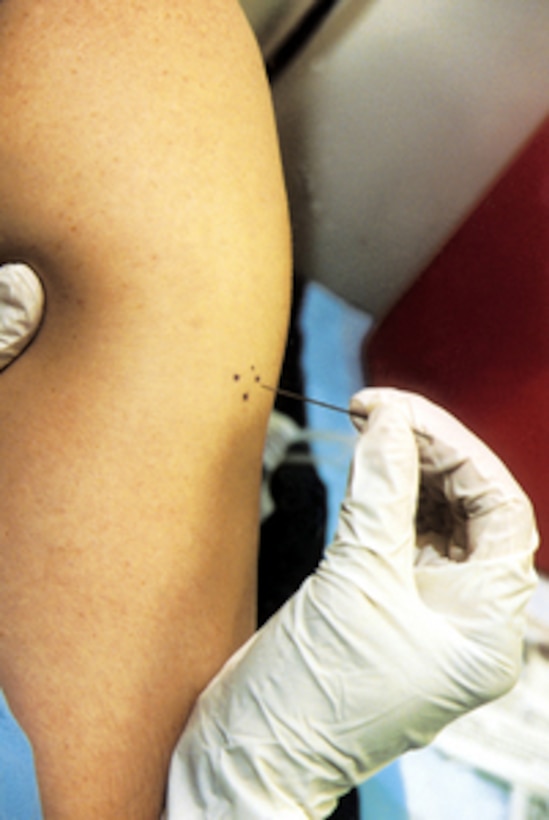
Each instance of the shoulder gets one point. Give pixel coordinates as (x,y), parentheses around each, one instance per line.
(122,122)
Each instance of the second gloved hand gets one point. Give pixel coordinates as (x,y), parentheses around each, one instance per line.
(21,309)
(394,636)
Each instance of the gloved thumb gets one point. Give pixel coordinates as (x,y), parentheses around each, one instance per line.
(377,517)
(21,309)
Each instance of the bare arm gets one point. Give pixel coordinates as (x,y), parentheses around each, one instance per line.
(139,176)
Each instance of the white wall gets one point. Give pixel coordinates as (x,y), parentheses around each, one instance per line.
(394,120)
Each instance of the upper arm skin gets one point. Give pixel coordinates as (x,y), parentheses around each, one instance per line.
(139,176)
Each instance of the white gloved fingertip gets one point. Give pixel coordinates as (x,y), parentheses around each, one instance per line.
(363,403)
(21,310)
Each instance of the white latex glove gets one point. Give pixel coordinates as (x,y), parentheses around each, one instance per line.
(21,309)
(386,643)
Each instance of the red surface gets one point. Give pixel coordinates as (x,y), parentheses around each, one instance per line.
(472,333)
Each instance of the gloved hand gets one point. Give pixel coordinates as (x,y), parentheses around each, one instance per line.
(393,637)
(21,308)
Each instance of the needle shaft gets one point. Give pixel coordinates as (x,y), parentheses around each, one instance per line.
(289,394)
